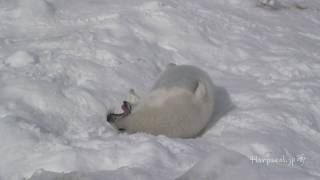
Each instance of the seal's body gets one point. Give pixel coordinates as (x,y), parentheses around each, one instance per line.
(180,104)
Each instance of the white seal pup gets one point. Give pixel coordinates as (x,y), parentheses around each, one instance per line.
(180,104)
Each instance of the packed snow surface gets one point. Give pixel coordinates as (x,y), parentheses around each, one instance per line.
(65,63)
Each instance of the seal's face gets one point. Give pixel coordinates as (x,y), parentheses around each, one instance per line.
(113,117)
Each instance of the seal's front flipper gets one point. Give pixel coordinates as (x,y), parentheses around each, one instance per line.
(133,98)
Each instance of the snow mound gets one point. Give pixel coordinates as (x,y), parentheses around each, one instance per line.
(20,59)
(28,9)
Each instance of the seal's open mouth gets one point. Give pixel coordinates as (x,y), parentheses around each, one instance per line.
(126,107)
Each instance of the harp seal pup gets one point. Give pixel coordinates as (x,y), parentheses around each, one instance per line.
(180,104)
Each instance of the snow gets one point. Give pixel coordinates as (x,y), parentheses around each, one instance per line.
(65,63)
(19,59)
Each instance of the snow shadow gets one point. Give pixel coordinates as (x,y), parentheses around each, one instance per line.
(223,105)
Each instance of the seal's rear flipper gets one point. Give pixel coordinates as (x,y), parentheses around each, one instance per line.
(201,91)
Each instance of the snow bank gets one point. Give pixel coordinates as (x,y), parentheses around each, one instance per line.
(64,64)
(222,164)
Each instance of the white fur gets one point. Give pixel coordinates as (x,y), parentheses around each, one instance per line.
(179,105)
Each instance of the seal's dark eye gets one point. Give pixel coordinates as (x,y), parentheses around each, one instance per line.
(110,118)
(121,129)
